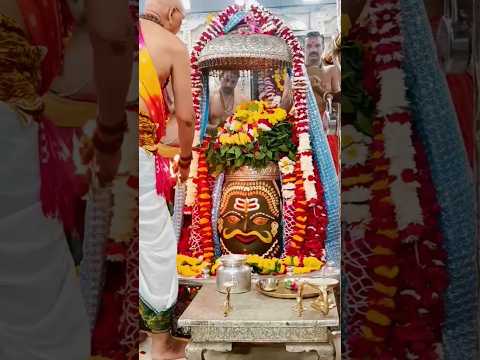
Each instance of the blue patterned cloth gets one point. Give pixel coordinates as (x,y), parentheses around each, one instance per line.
(204,108)
(328,175)
(435,120)
(234,21)
(216,197)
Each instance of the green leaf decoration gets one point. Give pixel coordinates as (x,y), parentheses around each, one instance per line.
(270,146)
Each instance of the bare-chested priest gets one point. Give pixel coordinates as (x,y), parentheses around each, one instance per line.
(224,101)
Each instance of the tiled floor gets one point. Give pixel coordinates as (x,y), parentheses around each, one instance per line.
(243,352)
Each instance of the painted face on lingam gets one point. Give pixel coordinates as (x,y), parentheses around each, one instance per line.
(249,218)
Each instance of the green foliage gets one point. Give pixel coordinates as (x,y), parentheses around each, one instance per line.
(357,105)
(270,146)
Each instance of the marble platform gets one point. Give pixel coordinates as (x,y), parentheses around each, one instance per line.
(255,319)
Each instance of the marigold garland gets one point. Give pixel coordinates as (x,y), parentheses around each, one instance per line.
(194,267)
(204,205)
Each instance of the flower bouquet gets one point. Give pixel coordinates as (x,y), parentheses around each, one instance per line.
(255,135)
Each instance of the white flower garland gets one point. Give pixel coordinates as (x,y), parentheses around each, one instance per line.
(191,187)
(397,135)
(286,165)
(392,82)
(355,213)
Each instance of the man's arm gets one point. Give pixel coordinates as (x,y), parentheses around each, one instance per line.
(182,93)
(336,84)
(287,96)
(111,30)
(336,79)
(111,33)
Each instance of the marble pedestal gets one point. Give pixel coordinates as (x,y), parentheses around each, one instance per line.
(255,318)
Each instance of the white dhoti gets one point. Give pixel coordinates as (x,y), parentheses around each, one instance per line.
(158,248)
(42,314)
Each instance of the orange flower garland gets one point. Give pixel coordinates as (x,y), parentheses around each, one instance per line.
(300,214)
(204,204)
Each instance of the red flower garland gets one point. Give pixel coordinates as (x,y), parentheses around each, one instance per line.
(405,307)
(204,206)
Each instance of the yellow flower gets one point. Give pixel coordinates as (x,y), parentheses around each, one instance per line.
(268,266)
(237,125)
(210,17)
(189,271)
(378,318)
(368,334)
(271,264)
(223,139)
(291,261)
(280,114)
(183,260)
(214,268)
(302,270)
(242,115)
(261,106)
(235,139)
(312,262)
(254,259)
(388,272)
(242,106)
(244,139)
(254,117)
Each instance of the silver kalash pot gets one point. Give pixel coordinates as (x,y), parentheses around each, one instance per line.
(234,274)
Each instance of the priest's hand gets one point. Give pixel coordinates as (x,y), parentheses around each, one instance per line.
(181,168)
(107,165)
(183,174)
(107,143)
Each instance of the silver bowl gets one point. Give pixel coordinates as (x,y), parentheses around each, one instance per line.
(268,284)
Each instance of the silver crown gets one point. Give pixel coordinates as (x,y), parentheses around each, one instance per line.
(245,52)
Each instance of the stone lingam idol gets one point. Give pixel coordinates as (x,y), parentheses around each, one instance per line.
(262,181)
(250,210)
